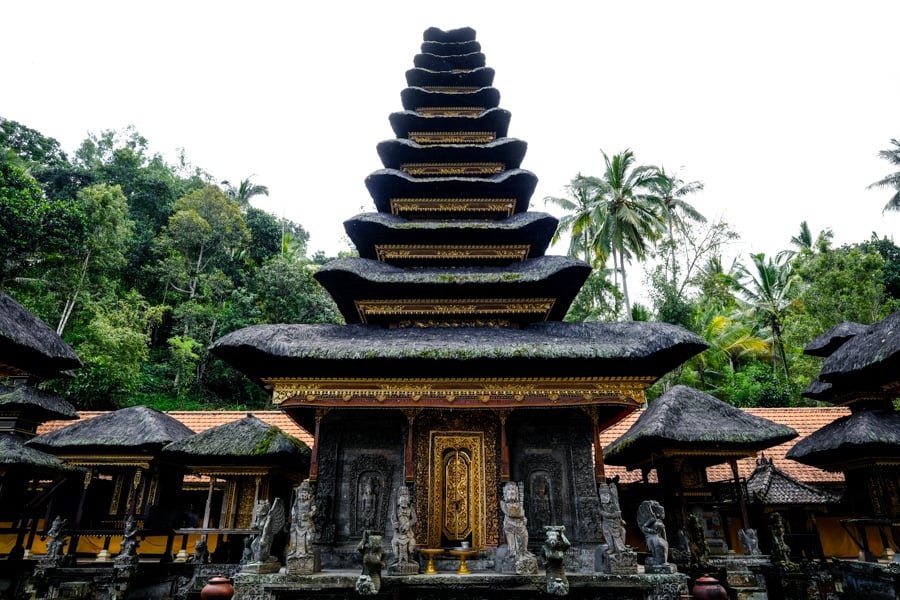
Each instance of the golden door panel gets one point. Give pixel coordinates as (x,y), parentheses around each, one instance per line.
(456,488)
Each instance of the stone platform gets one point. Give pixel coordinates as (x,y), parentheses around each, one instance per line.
(339,585)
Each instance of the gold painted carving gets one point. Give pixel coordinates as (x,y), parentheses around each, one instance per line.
(500,206)
(456,490)
(464,392)
(452,137)
(117,493)
(451,323)
(398,252)
(450,111)
(488,307)
(452,168)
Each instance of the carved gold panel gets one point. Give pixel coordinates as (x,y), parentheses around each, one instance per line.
(488,307)
(456,488)
(479,206)
(399,252)
(447,169)
(452,137)
(450,111)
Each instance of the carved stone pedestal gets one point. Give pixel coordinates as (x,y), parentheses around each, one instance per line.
(662,569)
(305,564)
(270,566)
(404,568)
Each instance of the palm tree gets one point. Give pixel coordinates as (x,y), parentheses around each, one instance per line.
(580,220)
(730,341)
(669,192)
(892,181)
(245,190)
(627,220)
(767,289)
(804,240)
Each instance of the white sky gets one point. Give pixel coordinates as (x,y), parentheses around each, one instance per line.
(778,107)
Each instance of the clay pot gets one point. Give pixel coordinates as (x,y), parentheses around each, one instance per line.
(708,588)
(217,588)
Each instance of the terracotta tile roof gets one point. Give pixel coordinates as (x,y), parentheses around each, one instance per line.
(201,420)
(803,420)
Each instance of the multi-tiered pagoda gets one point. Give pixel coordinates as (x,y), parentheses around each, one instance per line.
(455,372)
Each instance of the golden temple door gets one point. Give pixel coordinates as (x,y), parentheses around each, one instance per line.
(456,501)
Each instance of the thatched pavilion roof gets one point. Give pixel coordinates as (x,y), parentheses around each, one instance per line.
(685,419)
(28,344)
(15,455)
(136,428)
(247,440)
(39,405)
(870,357)
(834,338)
(866,434)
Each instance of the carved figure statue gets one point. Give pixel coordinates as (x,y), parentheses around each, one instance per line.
(403,520)
(612,524)
(303,528)
(369,582)
(129,538)
(201,552)
(781,552)
(368,503)
(697,546)
(650,517)
(57,539)
(515,524)
(269,520)
(750,541)
(553,552)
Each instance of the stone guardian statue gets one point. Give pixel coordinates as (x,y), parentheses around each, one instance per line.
(553,552)
(615,556)
(515,528)
(650,516)
(303,558)
(369,581)
(403,544)
(269,519)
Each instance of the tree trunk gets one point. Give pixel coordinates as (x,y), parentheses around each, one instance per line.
(70,301)
(625,287)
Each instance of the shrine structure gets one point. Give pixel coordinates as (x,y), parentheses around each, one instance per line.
(455,373)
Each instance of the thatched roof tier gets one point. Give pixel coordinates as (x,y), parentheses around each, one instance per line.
(449,36)
(834,338)
(496,197)
(450,48)
(413,98)
(15,455)
(246,441)
(537,289)
(127,430)
(28,345)
(540,349)
(477,78)
(864,437)
(430,160)
(434,62)
(771,486)
(494,121)
(870,358)
(685,420)
(399,241)
(34,404)
(819,390)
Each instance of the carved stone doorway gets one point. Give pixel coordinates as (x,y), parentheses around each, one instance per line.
(456,488)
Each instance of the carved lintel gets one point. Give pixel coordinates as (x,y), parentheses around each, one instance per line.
(451,169)
(502,207)
(450,111)
(435,252)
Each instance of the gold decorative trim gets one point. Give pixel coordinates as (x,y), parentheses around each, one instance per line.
(111,460)
(398,252)
(450,111)
(488,307)
(451,89)
(116,495)
(488,393)
(449,169)
(502,206)
(452,137)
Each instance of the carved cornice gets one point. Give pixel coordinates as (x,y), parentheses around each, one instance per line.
(415,308)
(451,89)
(502,206)
(450,111)
(452,137)
(110,460)
(220,471)
(490,393)
(449,169)
(399,252)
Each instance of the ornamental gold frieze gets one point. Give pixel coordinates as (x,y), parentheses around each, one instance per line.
(449,169)
(452,137)
(501,206)
(450,111)
(398,252)
(415,307)
(459,393)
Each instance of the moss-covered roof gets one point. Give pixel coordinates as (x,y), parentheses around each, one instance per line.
(128,429)
(28,344)
(864,434)
(14,454)
(687,419)
(37,405)
(834,338)
(248,440)
(868,358)
(396,153)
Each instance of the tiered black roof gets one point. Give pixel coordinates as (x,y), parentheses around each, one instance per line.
(28,345)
